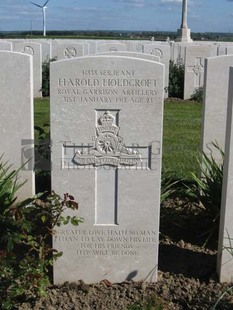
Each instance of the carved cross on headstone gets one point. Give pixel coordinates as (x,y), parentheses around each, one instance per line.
(70,52)
(107,155)
(198,70)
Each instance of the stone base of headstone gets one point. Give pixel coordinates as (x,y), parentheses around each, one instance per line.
(184,35)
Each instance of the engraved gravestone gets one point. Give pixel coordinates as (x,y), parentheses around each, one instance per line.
(215,103)
(5,46)
(194,68)
(225,257)
(163,52)
(16,117)
(67,49)
(106,127)
(132,54)
(34,49)
(110,47)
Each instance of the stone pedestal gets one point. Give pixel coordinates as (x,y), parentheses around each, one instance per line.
(183,35)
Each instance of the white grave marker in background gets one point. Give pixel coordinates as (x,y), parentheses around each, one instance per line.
(194,68)
(215,103)
(35,50)
(16,117)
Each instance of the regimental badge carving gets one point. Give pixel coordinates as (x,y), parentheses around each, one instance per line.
(113,49)
(108,148)
(70,52)
(157,52)
(28,50)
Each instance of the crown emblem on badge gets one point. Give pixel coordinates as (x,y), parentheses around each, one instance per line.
(106,119)
(106,123)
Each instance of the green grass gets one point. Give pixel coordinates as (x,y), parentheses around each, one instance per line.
(41,113)
(181,139)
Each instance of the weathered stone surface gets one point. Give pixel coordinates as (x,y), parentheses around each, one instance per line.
(5,45)
(106,126)
(110,47)
(225,254)
(194,68)
(16,117)
(215,103)
(63,49)
(34,49)
(163,52)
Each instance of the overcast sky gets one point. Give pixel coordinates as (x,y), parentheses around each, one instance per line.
(155,15)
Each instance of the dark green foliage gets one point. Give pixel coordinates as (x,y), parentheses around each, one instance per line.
(168,185)
(207,189)
(45,76)
(43,158)
(198,95)
(8,184)
(42,144)
(26,253)
(176,80)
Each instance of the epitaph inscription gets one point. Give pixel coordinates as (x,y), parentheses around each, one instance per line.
(106,242)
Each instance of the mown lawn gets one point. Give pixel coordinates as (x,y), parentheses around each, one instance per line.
(41,113)
(181,137)
(181,134)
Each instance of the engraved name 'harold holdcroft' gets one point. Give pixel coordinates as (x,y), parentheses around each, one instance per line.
(106,128)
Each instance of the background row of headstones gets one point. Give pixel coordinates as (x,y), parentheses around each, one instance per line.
(17,106)
(191,55)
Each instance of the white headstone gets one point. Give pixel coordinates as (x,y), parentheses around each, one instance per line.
(132,54)
(163,52)
(46,47)
(5,46)
(110,47)
(178,52)
(225,244)
(142,56)
(194,68)
(215,102)
(16,117)
(137,47)
(34,49)
(229,50)
(222,50)
(106,128)
(67,49)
